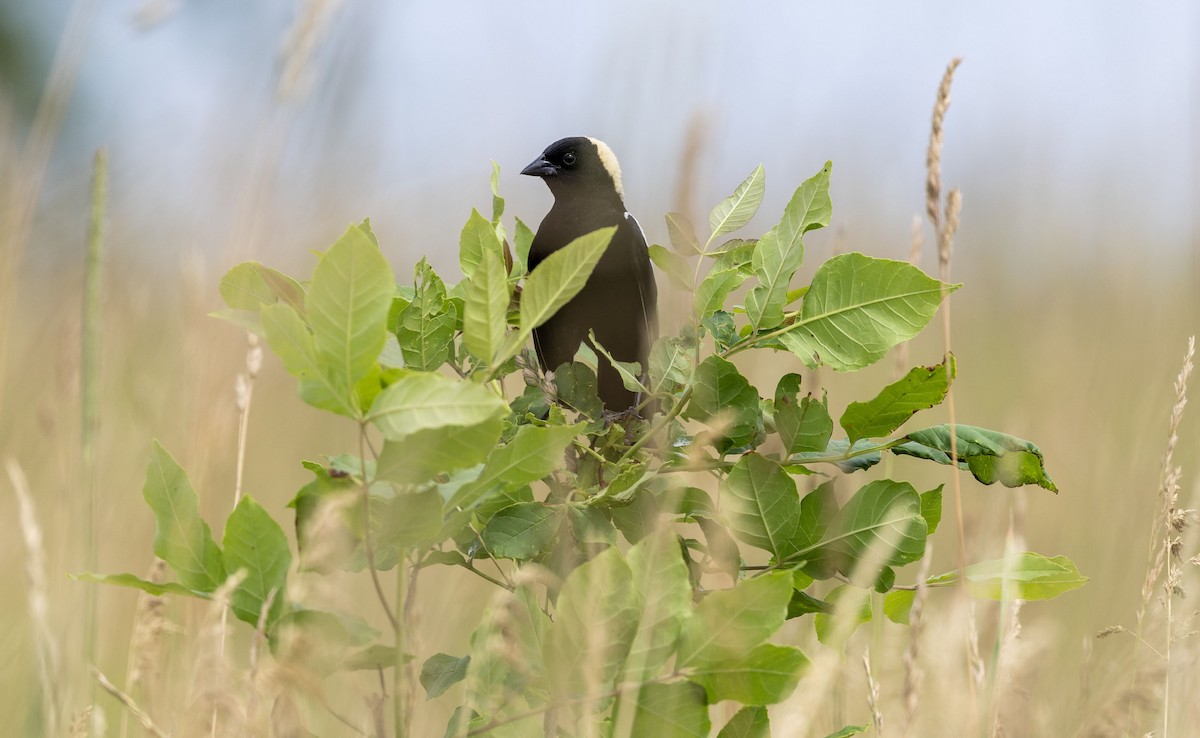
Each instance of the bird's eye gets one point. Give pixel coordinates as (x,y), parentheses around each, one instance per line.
(569,158)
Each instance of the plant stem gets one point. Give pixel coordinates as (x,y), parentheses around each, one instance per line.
(367,545)
(90,379)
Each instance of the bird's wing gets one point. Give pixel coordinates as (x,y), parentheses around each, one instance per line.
(643,273)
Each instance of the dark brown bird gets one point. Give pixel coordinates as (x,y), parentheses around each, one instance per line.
(619,302)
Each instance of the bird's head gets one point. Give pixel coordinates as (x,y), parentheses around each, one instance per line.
(578,165)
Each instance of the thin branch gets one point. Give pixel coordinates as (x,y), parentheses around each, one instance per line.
(146,721)
(368,546)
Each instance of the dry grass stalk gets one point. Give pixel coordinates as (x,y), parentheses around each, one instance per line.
(872,693)
(215,699)
(913,673)
(127,702)
(150,623)
(689,160)
(311,27)
(44,641)
(933,157)
(81,723)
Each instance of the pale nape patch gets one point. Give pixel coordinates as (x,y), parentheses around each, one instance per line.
(609,160)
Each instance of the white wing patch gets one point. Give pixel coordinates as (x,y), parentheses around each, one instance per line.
(641,293)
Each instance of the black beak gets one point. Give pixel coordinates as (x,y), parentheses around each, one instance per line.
(540,168)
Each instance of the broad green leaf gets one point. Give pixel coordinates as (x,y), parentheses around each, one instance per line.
(485,319)
(725,400)
(521,531)
(425,327)
(660,584)
(158,589)
(255,543)
(251,286)
(560,277)
(763,676)
(922,388)
(629,371)
(803,423)
(682,234)
(670,363)
(762,505)
(497,201)
(423,455)
(931,507)
(531,455)
(418,402)
(990,456)
(817,509)
(848,731)
(373,658)
(673,265)
(1021,576)
(863,455)
(347,306)
(736,210)
(477,238)
(506,654)
(442,671)
(586,646)
(780,251)
(731,622)
(181,537)
(849,603)
(522,241)
(880,524)
(675,710)
(714,289)
(897,605)
(291,340)
(578,389)
(321,641)
(749,722)
(404,522)
(858,307)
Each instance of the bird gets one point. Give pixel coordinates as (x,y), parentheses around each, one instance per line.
(619,302)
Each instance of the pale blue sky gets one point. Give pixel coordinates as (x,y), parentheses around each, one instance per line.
(1074,130)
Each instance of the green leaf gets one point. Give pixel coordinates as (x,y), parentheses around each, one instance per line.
(881,523)
(347,306)
(181,537)
(521,531)
(858,308)
(418,402)
(991,456)
(804,424)
(664,597)
(497,201)
(673,265)
(560,277)
(587,645)
(731,622)
(714,289)
(780,251)
(897,605)
(922,388)
(725,400)
(670,363)
(848,731)
(830,626)
(1021,576)
(682,234)
(442,671)
(763,676)
(372,658)
(485,319)
(425,327)
(522,241)
(629,371)
(817,509)
(676,710)
(421,456)
(931,508)
(477,238)
(762,505)
(578,389)
(405,521)
(255,543)
(749,722)
(158,589)
(736,210)
(291,340)
(531,455)
(250,286)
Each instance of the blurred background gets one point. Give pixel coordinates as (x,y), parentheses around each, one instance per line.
(240,131)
